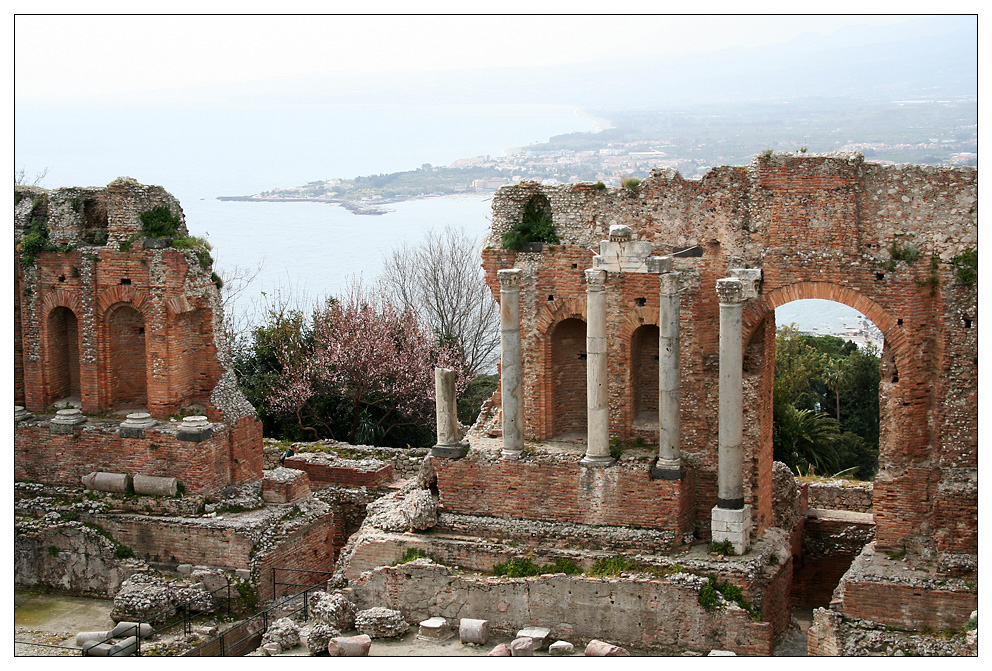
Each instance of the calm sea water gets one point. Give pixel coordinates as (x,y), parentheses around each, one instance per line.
(305,250)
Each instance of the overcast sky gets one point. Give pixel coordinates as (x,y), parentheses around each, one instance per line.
(58,57)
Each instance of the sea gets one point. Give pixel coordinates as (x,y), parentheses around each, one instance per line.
(298,253)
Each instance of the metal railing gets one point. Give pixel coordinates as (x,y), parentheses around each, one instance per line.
(246,636)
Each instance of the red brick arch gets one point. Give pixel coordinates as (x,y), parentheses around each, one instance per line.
(758,310)
(139,300)
(556,311)
(61,299)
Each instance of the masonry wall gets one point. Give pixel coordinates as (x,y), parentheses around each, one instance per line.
(543,487)
(626,611)
(232,455)
(828,227)
(122,323)
(309,548)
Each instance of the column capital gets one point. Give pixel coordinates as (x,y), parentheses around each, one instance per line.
(596,279)
(669,283)
(509,278)
(730,290)
(750,278)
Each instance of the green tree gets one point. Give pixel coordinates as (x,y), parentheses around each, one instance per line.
(804,441)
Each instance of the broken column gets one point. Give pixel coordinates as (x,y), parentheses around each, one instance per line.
(445,403)
(511,363)
(669,463)
(597,372)
(135,425)
(731,519)
(65,421)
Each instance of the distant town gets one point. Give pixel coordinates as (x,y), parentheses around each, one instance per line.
(689,141)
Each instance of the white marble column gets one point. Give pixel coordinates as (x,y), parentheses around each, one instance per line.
(446,409)
(511,363)
(731,519)
(597,372)
(669,464)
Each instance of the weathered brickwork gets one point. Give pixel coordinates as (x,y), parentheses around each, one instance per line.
(880,239)
(555,488)
(325,474)
(227,457)
(309,548)
(117,322)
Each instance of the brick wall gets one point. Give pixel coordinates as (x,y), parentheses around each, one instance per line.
(561,490)
(341,475)
(309,548)
(908,606)
(183,542)
(202,467)
(818,227)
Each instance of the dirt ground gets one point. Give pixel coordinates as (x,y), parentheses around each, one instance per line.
(54,620)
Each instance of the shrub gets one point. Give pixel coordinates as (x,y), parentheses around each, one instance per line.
(599,186)
(708,596)
(631,183)
(159,222)
(966,266)
(536,225)
(35,241)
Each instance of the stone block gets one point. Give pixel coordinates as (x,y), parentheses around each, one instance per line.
(136,424)
(349,646)
(20,414)
(125,648)
(65,421)
(561,648)
(195,429)
(540,636)
(501,650)
(474,632)
(449,451)
(721,653)
(733,526)
(597,648)
(522,647)
(157,243)
(435,629)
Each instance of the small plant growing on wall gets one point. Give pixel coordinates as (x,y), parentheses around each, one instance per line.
(536,225)
(631,183)
(965,266)
(159,222)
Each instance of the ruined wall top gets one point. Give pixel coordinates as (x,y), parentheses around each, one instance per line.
(869,207)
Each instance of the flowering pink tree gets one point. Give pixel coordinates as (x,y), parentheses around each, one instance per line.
(376,358)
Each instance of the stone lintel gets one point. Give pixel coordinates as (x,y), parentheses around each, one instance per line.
(659,264)
(629,256)
(449,451)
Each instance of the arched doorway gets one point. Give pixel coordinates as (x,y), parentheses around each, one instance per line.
(63,356)
(644,377)
(568,379)
(126,366)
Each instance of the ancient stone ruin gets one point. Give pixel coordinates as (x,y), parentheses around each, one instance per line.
(626,456)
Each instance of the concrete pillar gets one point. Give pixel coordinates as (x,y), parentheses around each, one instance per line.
(669,464)
(446,407)
(597,372)
(511,363)
(731,519)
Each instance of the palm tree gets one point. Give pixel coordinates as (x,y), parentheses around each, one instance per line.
(802,439)
(835,374)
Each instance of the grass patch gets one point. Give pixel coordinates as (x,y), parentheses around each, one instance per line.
(725,548)
(710,593)
(620,563)
(521,567)
(414,553)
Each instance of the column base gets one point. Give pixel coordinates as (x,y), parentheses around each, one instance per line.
(733,526)
(667,469)
(596,462)
(449,451)
(511,455)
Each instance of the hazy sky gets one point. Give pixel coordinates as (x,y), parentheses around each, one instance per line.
(72,56)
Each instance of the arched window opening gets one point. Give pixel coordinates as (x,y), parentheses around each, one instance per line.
(826,390)
(126,364)
(63,357)
(644,376)
(568,379)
